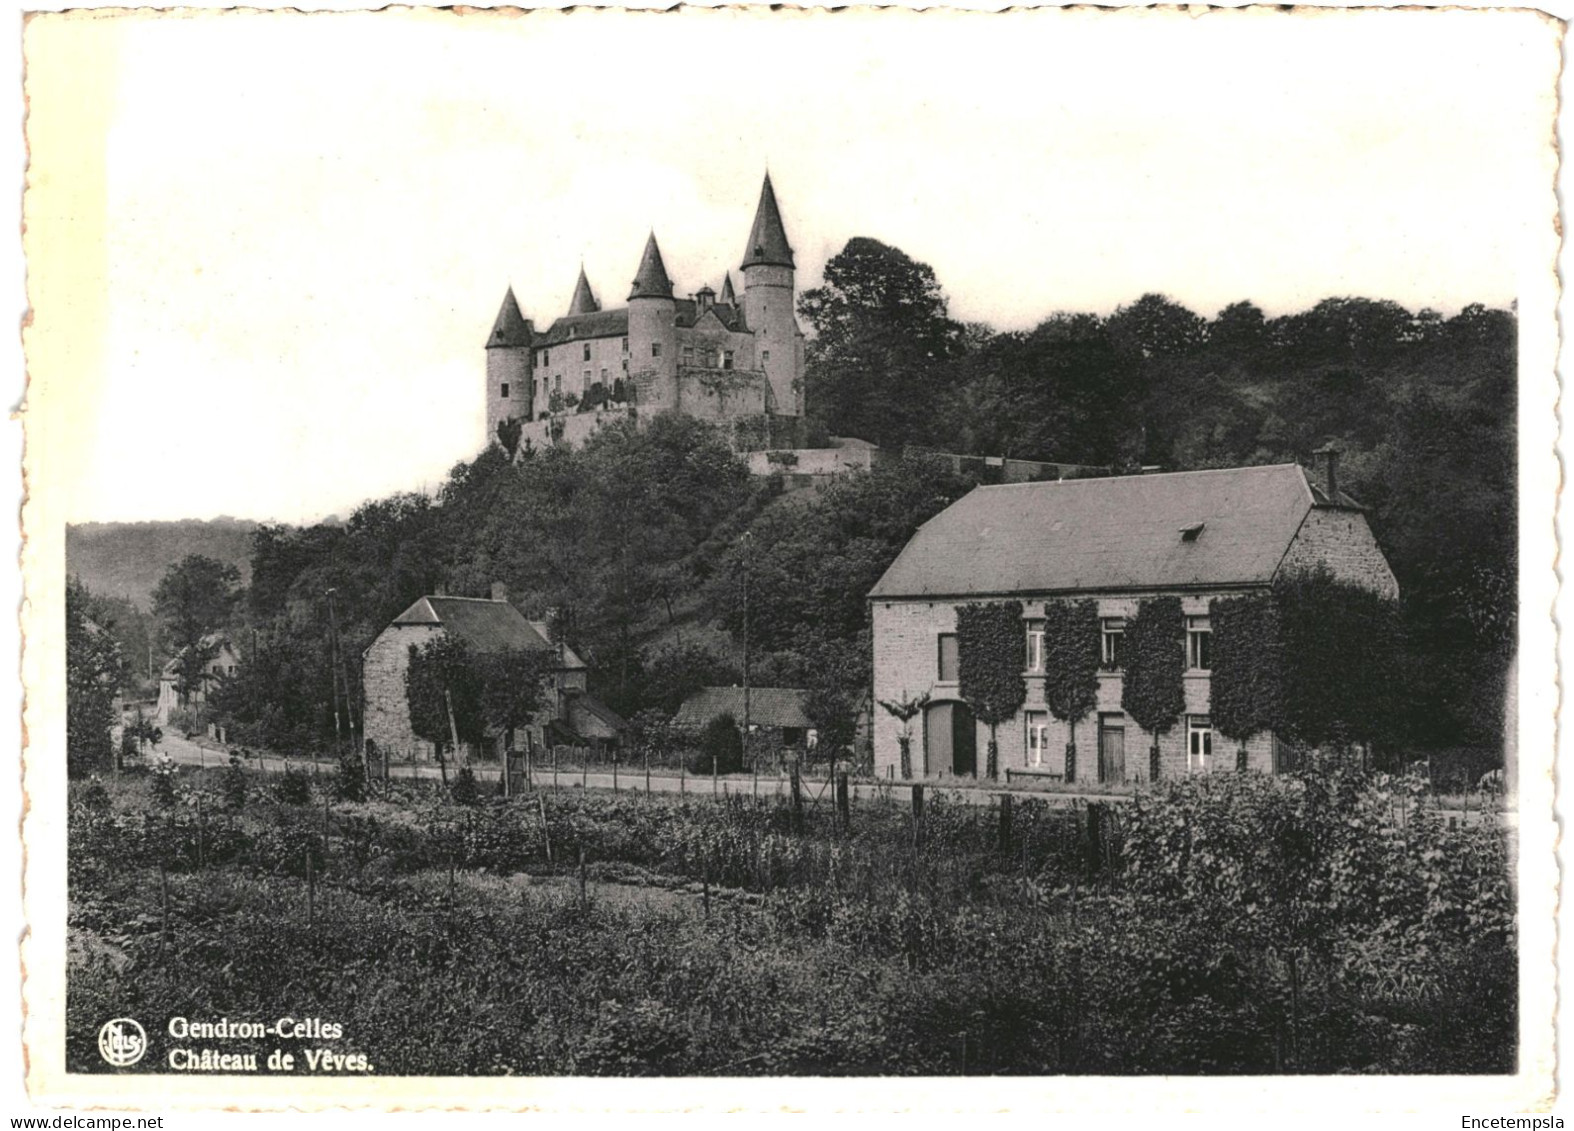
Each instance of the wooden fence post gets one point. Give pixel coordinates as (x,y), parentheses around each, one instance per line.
(797,797)
(1004,835)
(584,769)
(918,815)
(843,800)
(583,898)
(647,770)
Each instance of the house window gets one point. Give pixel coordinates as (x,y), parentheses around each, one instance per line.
(688,355)
(655,349)
(1037,737)
(557,383)
(765,357)
(726,359)
(546,356)
(1199,743)
(603,374)
(948,657)
(587,351)
(625,345)
(1114,643)
(1199,643)
(505,389)
(1035,646)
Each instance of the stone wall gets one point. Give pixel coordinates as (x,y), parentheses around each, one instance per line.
(1341,539)
(812,461)
(383,668)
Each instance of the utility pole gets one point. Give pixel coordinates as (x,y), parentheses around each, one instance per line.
(748,559)
(342,673)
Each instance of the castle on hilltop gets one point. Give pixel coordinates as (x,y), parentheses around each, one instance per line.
(710,356)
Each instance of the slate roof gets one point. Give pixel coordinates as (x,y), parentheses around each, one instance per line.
(600,324)
(768,706)
(689,313)
(511,327)
(651,280)
(767,238)
(1107,534)
(584,300)
(487,626)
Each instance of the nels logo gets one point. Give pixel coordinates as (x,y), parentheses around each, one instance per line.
(122,1042)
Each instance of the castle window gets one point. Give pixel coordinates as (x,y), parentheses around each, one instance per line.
(557,383)
(505,389)
(765,357)
(625,345)
(603,374)
(655,349)
(587,351)
(546,356)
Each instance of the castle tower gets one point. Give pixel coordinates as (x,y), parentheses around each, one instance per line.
(653,332)
(728,296)
(509,377)
(768,296)
(584,300)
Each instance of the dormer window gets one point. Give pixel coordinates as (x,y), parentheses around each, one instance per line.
(1193,532)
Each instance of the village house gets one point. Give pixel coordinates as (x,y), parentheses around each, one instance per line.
(219,665)
(1199,535)
(779,713)
(569,714)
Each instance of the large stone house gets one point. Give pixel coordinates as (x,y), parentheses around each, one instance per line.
(569,714)
(717,356)
(1198,535)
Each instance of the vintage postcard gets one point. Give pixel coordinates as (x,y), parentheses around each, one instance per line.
(733,558)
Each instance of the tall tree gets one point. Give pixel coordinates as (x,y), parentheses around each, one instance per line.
(1153,691)
(194,599)
(93,671)
(881,356)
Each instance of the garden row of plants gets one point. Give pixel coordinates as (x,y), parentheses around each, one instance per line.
(1251,924)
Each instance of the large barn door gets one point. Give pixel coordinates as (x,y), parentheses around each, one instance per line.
(964,740)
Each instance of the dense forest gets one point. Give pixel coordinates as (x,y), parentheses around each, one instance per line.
(651,548)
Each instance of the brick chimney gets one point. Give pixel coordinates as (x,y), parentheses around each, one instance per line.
(499,591)
(1330,457)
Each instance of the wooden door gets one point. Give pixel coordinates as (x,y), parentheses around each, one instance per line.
(1112,750)
(937,738)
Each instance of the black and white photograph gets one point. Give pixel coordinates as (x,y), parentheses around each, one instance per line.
(785,558)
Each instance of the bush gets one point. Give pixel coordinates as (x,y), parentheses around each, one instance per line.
(162,783)
(721,747)
(234,786)
(465,790)
(294,787)
(349,781)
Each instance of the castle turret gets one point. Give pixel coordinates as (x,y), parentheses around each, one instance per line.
(509,377)
(653,332)
(728,295)
(584,300)
(768,296)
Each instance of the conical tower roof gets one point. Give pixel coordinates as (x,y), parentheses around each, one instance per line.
(768,239)
(511,328)
(652,281)
(584,300)
(727,293)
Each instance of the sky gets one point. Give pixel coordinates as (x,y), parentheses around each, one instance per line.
(266,248)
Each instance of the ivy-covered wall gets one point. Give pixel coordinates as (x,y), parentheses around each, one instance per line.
(989,654)
(1153,693)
